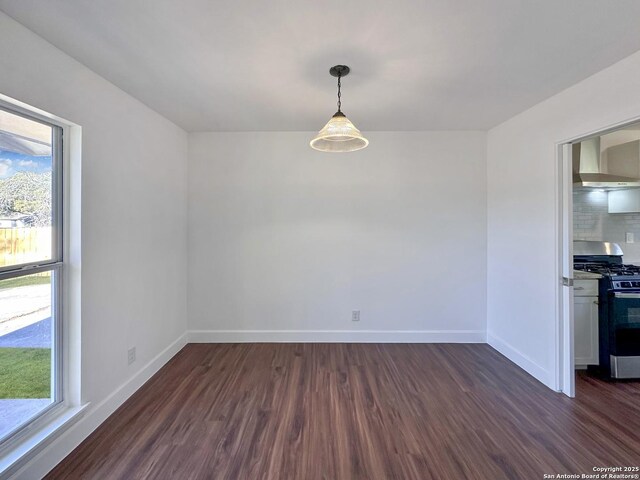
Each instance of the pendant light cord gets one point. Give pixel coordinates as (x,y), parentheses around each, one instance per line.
(339,93)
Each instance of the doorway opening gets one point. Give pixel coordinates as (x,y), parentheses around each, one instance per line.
(599,193)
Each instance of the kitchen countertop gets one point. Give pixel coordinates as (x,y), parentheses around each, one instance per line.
(580,275)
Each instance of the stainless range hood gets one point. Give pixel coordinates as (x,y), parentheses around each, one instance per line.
(589,171)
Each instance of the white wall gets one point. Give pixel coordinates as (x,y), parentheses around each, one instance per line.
(284,241)
(133,220)
(522,215)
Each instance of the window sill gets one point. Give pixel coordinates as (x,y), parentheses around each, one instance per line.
(24,449)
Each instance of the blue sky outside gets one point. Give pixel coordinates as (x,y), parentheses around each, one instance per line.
(12,163)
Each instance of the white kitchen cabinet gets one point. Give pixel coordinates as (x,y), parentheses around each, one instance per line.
(585,288)
(623,159)
(624,201)
(585,337)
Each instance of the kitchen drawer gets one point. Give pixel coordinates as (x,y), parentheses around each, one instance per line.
(585,288)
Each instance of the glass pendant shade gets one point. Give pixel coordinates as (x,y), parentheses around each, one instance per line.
(339,135)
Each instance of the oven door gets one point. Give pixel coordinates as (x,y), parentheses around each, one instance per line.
(624,335)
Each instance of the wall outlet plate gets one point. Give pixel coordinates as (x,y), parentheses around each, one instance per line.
(630,237)
(355,316)
(131,355)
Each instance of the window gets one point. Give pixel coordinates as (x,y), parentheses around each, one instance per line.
(31,261)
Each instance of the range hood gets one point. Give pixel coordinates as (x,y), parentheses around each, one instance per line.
(590,172)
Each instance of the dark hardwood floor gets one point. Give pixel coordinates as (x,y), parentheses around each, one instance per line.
(357,411)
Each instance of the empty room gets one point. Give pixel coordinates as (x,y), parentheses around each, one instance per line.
(319,240)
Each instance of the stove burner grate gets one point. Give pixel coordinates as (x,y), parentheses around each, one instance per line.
(608,269)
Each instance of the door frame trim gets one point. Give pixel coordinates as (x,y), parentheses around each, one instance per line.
(564,380)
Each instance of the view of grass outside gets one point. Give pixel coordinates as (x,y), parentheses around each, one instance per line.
(25,348)
(43,279)
(25,372)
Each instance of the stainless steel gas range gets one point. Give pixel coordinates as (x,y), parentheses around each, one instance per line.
(618,309)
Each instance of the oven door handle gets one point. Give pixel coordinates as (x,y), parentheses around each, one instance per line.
(626,295)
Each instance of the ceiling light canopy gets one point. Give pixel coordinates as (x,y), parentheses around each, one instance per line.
(339,134)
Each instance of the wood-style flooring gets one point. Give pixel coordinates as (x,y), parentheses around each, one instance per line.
(357,411)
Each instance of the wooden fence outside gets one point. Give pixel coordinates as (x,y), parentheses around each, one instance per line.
(24,245)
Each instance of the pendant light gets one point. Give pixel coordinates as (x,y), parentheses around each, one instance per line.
(339,134)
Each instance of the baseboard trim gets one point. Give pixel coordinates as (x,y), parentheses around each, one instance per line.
(50,455)
(521,360)
(337,336)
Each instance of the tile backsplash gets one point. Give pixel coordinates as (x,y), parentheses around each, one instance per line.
(592,221)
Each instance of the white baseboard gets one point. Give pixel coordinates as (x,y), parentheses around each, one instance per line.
(53,453)
(337,336)
(522,360)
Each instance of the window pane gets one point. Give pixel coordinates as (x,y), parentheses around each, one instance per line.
(25,190)
(26,348)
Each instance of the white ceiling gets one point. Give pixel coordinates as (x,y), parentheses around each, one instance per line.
(263,65)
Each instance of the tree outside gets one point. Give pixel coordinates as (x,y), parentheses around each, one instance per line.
(27,193)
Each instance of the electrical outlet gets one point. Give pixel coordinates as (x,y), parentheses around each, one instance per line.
(355,316)
(131,355)
(630,237)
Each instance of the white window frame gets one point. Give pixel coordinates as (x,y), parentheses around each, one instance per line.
(55,265)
